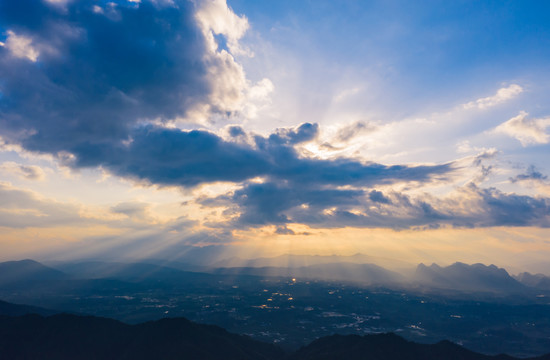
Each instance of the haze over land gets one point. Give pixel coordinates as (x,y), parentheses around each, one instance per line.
(480,307)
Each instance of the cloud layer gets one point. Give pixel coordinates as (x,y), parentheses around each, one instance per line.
(467,207)
(107,84)
(503,94)
(86,76)
(94,85)
(527,131)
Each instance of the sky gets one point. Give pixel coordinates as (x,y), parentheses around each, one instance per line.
(416,131)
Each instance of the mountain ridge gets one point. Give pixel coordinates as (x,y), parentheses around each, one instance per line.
(464,277)
(10,309)
(65,336)
(537,281)
(458,276)
(26,272)
(387,346)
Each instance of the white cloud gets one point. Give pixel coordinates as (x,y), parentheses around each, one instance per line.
(97,9)
(161,3)
(533,179)
(464,147)
(502,95)
(59,3)
(347,93)
(215,17)
(231,92)
(258,97)
(228,82)
(29,172)
(21,46)
(527,131)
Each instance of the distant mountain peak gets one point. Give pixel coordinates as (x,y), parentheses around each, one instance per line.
(537,281)
(463,277)
(23,272)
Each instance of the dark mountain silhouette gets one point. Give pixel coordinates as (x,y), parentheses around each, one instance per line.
(537,281)
(27,272)
(9,309)
(77,337)
(141,273)
(123,271)
(459,276)
(463,277)
(363,273)
(64,336)
(385,347)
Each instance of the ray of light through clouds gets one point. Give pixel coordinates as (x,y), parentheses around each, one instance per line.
(417,131)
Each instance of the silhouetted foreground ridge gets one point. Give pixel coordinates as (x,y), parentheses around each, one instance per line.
(386,347)
(86,337)
(74,337)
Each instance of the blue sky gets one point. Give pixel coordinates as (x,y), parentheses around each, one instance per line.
(137,128)
(428,54)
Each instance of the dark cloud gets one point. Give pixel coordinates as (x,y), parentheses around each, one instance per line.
(378,196)
(354,129)
(288,166)
(187,158)
(501,209)
(236,131)
(174,157)
(271,203)
(97,77)
(302,133)
(531,174)
(104,72)
(105,80)
(470,206)
(347,172)
(283,230)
